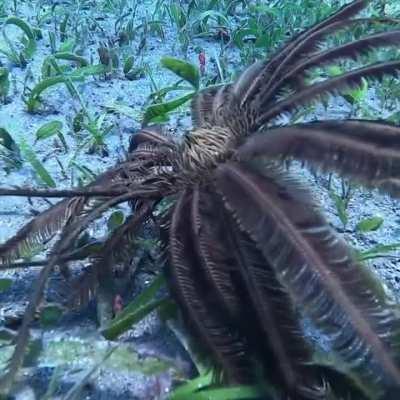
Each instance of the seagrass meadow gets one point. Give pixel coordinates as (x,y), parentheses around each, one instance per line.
(200,200)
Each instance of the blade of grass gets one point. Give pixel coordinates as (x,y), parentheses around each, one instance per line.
(75,392)
(183,69)
(157,110)
(141,306)
(30,156)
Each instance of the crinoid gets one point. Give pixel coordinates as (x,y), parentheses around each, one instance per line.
(246,242)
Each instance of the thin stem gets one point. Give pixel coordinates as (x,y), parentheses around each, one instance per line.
(24,264)
(28,192)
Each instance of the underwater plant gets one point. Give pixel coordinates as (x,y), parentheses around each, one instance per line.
(247,244)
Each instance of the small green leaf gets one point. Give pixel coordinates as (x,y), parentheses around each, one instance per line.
(29,155)
(128,64)
(378,251)
(177,15)
(49,61)
(116,219)
(159,95)
(229,393)
(9,150)
(157,110)
(211,14)
(5,284)
(7,141)
(187,389)
(78,74)
(22,25)
(355,96)
(65,55)
(201,388)
(67,46)
(335,70)
(369,224)
(50,314)
(135,311)
(4,82)
(49,129)
(341,208)
(183,69)
(29,41)
(124,323)
(34,97)
(123,109)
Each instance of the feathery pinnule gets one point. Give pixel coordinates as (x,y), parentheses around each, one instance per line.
(365,151)
(210,325)
(316,267)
